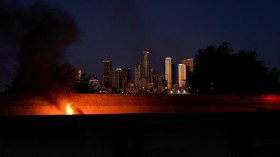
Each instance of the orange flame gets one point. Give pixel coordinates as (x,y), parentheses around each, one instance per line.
(68,109)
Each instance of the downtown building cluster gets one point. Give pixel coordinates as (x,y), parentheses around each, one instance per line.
(146,80)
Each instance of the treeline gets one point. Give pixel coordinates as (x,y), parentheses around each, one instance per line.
(218,69)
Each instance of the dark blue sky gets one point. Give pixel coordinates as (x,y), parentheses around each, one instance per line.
(123,29)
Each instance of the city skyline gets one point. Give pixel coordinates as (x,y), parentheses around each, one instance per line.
(187,60)
(236,67)
(144,64)
(145,77)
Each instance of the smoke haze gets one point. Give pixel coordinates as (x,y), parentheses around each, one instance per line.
(33,44)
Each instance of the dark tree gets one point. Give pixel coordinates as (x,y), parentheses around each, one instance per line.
(219,70)
(251,74)
(210,73)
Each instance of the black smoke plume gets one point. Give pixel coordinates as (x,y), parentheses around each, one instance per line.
(35,40)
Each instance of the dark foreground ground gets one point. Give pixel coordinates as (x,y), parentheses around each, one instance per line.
(147,135)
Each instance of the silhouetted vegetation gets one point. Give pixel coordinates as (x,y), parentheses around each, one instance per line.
(220,70)
(88,85)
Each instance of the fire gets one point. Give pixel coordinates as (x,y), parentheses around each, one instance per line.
(68,109)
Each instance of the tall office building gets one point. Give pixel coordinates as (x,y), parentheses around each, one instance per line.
(116,78)
(137,73)
(173,74)
(151,75)
(126,74)
(146,65)
(189,62)
(142,73)
(120,78)
(159,82)
(182,75)
(168,71)
(106,72)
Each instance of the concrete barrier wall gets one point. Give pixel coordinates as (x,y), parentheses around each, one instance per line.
(158,103)
(149,103)
(168,99)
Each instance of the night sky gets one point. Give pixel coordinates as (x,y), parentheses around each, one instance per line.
(123,29)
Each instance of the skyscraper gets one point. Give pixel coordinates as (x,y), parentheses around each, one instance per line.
(120,78)
(126,74)
(116,78)
(146,65)
(137,73)
(106,72)
(142,73)
(168,71)
(151,75)
(182,75)
(189,63)
(173,74)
